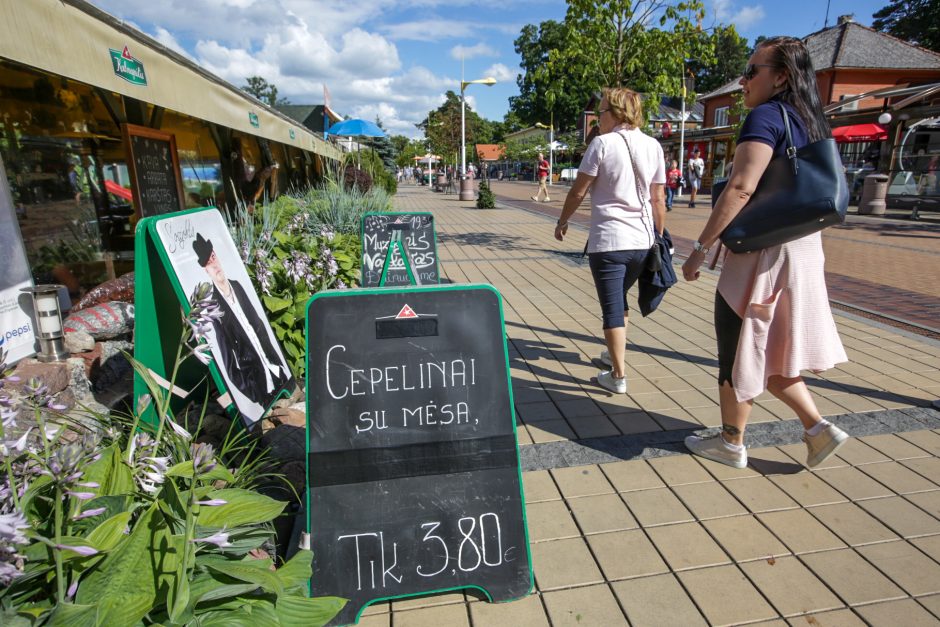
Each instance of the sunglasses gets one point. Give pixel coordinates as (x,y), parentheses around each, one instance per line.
(750,70)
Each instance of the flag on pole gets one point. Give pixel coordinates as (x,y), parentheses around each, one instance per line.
(326,108)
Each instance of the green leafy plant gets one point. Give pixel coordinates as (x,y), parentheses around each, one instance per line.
(485,199)
(120,526)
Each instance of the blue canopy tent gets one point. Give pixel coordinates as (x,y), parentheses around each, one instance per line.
(356,128)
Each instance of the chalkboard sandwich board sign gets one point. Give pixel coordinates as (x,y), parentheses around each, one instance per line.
(154,167)
(414,483)
(399,249)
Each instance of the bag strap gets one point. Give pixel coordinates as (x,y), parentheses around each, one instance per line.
(791,148)
(640,185)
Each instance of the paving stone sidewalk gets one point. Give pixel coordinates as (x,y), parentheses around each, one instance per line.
(625,527)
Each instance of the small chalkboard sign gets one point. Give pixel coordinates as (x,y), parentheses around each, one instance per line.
(154,168)
(414,483)
(399,249)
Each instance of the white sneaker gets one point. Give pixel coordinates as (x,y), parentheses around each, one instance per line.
(547,199)
(821,446)
(535,198)
(607,380)
(715,448)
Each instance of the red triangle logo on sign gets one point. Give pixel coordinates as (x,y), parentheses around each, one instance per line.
(127,54)
(406,312)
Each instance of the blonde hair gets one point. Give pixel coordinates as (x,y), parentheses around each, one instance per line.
(625,105)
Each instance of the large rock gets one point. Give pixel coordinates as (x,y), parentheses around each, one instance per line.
(287,443)
(289,416)
(54,374)
(79,342)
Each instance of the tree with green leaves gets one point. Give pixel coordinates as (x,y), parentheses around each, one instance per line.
(640,44)
(731,54)
(384,148)
(547,91)
(442,126)
(915,21)
(263,91)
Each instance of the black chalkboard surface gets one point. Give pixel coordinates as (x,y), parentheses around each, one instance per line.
(413,469)
(154,169)
(415,232)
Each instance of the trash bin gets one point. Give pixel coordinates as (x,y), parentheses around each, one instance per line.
(873,195)
(441,183)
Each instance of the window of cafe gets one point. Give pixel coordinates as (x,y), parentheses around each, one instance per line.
(199,159)
(63,156)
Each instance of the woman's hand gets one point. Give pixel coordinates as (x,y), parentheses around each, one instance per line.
(560,231)
(692,264)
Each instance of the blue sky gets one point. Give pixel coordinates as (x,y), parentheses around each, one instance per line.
(397,58)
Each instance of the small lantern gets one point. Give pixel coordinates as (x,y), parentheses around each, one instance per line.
(48,322)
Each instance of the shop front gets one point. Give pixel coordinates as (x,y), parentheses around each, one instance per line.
(64,106)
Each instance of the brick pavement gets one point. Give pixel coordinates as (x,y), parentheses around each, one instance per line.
(888,266)
(649,537)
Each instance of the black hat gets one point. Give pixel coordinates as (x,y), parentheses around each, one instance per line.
(203,248)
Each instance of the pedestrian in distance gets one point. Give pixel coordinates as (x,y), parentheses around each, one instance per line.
(696,168)
(673,175)
(542,172)
(772,314)
(625,171)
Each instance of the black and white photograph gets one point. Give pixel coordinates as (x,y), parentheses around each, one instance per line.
(242,343)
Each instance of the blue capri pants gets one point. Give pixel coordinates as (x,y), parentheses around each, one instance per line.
(614,273)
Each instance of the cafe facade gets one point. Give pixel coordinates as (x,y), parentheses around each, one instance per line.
(73,80)
(861,74)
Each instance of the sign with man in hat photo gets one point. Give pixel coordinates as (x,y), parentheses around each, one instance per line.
(243,346)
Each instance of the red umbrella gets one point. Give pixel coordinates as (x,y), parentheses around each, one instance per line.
(859,133)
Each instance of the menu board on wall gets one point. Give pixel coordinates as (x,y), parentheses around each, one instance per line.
(17,337)
(154,169)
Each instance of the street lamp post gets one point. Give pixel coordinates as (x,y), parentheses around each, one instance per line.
(551,144)
(466,187)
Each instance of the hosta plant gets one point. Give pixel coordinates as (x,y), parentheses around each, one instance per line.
(125,526)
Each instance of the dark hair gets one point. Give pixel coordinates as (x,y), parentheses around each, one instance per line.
(789,53)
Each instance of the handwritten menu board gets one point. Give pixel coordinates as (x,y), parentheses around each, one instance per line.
(415,231)
(413,468)
(154,169)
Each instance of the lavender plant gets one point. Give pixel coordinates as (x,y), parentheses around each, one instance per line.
(303,244)
(135,527)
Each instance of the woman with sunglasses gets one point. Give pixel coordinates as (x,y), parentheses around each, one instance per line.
(625,170)
(772,315)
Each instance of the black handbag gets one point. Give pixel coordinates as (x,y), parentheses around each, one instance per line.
(801,192)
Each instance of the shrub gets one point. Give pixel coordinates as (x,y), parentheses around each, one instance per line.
(485,199)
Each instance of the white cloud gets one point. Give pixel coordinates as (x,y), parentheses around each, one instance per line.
(723,9)
(747,17)
(470,52)
(302,45)
(743,18)
(429,30)
(501,73)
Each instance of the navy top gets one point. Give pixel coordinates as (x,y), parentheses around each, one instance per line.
(765,124)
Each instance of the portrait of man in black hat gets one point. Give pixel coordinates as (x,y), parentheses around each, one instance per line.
(251,361)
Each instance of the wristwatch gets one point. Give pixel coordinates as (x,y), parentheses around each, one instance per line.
(697,247)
